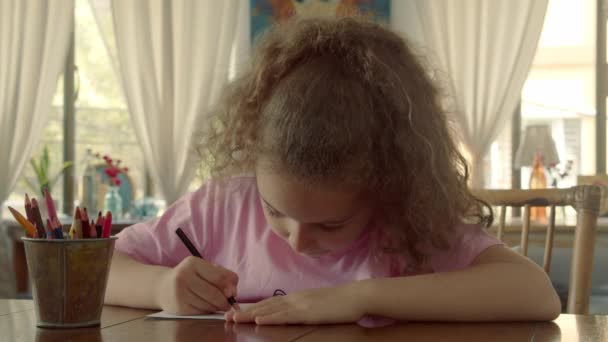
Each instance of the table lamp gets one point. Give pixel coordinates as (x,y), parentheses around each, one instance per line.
(536,150)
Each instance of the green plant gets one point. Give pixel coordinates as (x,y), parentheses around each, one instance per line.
(43,174)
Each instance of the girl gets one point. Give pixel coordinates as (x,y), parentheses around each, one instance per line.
(338,193)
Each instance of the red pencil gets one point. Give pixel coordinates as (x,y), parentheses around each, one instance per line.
(38,218)
(107,226)
(99,224)
(86,228)
(50,207)
(85,214)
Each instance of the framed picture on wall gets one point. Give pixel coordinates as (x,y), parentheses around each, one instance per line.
(265,13)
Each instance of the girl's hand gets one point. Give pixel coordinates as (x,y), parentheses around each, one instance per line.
(195,286)
(316,306)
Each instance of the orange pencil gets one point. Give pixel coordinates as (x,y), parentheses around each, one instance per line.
(27,225)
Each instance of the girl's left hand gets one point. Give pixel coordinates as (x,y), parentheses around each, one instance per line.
(315,306)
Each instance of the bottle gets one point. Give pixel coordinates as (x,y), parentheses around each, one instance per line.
(538,180)
(88,197)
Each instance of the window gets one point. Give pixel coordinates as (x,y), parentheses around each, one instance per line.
(559,92)
(101,116)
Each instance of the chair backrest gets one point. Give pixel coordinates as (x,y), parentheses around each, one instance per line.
(585,199)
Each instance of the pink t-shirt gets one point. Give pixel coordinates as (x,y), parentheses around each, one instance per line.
(227,225)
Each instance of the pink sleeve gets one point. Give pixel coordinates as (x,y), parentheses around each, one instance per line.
(470,242)
(155,242)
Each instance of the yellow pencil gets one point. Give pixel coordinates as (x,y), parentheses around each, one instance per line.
(27,225)
(72,231)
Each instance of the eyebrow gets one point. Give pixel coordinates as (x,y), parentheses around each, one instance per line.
(336,223)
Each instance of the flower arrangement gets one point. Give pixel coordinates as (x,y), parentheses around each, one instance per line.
(559,173)
(113,169)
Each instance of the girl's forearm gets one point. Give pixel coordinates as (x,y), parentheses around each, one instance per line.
(132,283)
(485,292)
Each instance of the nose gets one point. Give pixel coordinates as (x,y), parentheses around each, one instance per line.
(300,238)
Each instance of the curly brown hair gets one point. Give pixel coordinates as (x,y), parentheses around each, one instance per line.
(345,100)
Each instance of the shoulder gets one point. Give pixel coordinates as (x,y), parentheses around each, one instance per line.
(467,241)
(227,200)
(231,189)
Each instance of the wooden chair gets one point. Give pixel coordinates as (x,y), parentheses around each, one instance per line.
(585,199)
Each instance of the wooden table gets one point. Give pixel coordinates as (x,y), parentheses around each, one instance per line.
(18,323)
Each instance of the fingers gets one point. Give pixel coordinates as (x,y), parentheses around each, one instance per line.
(192,283)
(189,303)
(266,307)
(269,316)
(280,317)
(223,279)
(197,306)
(209,293)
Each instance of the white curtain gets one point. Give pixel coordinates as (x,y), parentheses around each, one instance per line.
(34,39)
(486,48)
(174,58)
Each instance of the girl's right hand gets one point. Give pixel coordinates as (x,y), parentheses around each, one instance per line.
(196,286)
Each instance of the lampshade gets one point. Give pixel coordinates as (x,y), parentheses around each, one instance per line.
(537,139)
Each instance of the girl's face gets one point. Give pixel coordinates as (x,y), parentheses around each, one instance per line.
(314,220)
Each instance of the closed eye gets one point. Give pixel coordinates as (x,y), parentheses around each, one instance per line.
(331,227)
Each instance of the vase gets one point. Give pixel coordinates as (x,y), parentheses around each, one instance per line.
(113,202)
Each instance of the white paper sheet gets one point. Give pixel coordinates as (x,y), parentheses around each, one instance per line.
(216,316)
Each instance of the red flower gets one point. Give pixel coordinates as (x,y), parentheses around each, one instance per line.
(112,170)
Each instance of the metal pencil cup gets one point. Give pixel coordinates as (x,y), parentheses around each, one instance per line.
(69,279)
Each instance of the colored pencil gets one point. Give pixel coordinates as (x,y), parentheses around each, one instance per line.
(49,230)
(93,231)
(99,225)
(107,226)
(28,209)
(57,228)
(71,231)
(86,228)
(27,225)
(38,218)
(78,224)
(50,207)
